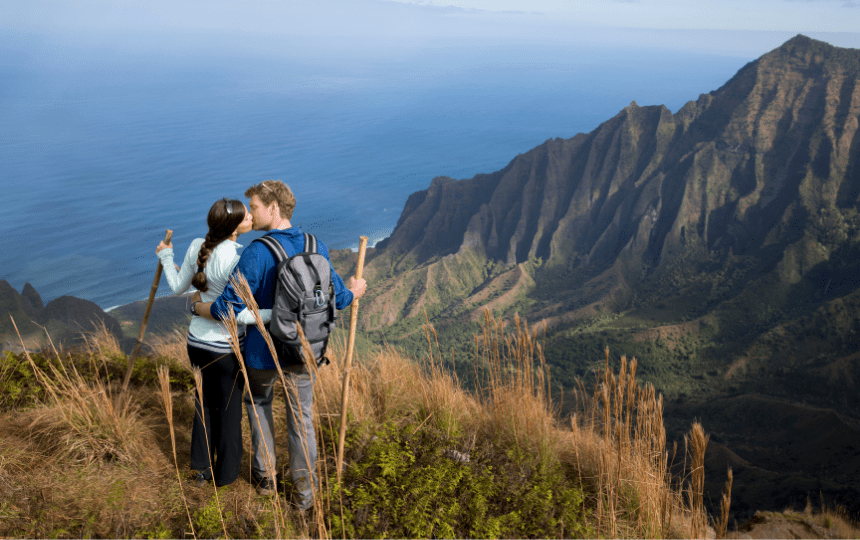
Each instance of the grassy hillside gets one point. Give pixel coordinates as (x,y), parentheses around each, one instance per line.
(423,457)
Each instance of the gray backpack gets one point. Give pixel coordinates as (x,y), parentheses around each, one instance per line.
(304,294)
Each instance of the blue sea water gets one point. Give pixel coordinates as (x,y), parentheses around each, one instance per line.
(98,157)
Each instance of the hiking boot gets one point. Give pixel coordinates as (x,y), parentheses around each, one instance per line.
(199,481)
(265,486)
(307,514)
(304,505)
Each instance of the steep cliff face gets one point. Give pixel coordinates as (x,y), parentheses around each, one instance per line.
(765,166)
(557,198)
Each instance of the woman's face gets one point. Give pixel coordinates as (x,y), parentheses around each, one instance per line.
(247,223)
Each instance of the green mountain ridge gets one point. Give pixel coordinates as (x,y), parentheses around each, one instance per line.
(719,245)
(744,200)
(746,168)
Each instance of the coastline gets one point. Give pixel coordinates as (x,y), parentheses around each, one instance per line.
(157,298)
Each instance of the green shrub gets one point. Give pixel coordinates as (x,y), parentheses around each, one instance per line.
(207,520)
(402,483)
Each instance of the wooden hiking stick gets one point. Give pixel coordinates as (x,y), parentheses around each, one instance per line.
(154,288)
(350,345)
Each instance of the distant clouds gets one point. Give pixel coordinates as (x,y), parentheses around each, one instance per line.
(475,8)
(753,15)
(394,27)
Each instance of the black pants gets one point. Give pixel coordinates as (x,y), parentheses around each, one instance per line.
(221,441)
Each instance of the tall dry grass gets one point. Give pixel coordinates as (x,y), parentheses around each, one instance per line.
(167,403)
(89,421)
(170,345)
(87,457)
(101,343)
(516,392)
(615,442)
(722,524)
(835,520)
(698,517)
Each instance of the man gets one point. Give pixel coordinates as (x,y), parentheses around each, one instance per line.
(271,205)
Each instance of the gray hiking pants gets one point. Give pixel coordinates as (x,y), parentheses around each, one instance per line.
(300,427)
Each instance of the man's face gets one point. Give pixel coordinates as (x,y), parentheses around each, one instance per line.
(264,216)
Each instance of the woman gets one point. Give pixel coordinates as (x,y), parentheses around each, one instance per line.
(207,265)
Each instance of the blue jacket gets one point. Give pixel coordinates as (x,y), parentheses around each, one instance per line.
(258,265)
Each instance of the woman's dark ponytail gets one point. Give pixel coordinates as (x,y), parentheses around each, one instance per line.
(222,224)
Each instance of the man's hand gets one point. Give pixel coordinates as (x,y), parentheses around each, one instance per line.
(357,286)
(203,307)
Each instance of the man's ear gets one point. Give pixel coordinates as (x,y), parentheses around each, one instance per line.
(276,211)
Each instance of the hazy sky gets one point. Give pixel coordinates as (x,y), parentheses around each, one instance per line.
(733,27)
(791,15)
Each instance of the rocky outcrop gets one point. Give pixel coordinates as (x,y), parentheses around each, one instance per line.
(29,292)
(66,318)
(18,307)
(79,313)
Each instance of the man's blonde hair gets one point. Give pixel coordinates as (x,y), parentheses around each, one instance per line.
(274,190)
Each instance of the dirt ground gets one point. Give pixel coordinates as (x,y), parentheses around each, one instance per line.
(787,525)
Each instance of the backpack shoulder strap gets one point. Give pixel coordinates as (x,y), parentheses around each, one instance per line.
(275,247)
(311,243)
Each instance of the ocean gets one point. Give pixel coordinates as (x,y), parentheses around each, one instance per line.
(100,153)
